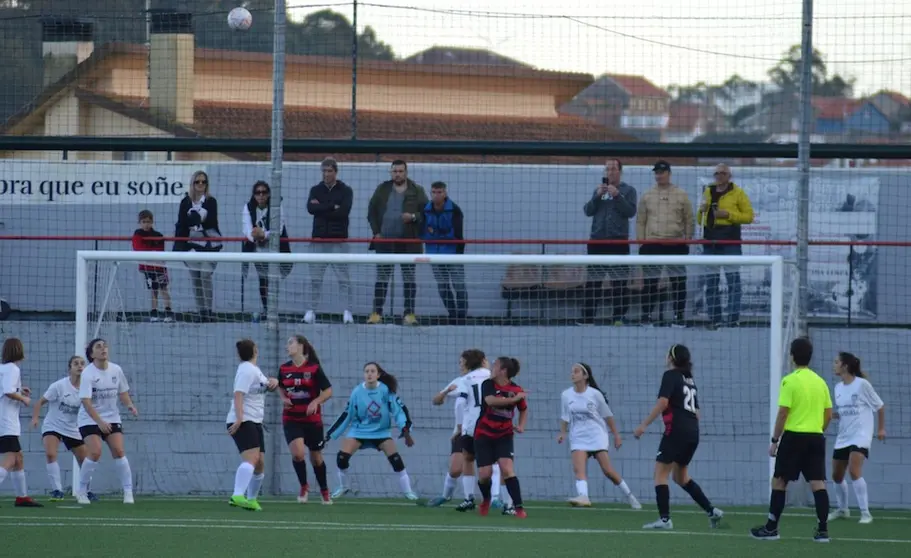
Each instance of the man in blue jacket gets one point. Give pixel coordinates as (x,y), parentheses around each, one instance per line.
(443,221)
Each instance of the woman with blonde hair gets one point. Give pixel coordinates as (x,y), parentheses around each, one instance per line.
(197,226)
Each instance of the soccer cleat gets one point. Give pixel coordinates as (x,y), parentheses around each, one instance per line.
(484,507)
(580,502)
(715,518)
(840,513)
(27,502)
(410,319)
(865,518)
(347,317)
(325,498)
(763,534)
(633,502)
(253,505)
(821,535)
(466,505)
(660,524)
(128,497)
(239,502)
(437,502)
(496,503)
(303,495)
(83,499)
(520,513)
(508,510)
(339,492)
(57,496)
(374,318)
(92,496)
(411,496)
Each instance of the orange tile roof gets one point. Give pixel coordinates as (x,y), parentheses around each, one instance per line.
(834,107)
(638,86)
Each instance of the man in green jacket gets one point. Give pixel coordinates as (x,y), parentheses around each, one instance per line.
(396,211)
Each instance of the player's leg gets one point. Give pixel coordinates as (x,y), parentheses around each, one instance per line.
(604,462)
(92,438)
(839,468)
(121,463)
(342,462)
(484,458)
(20,486)
(496,481)
(51,443)
(579,459)
(504,451)
(389,448)
(294,437)
(79,451)
(787,469)
(259,475)
(663,468)
(682,478)
(468,474)
(856,470)
(248,441)
(456,464)
(314,439)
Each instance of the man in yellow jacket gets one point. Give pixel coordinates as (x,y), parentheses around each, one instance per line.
(724,208)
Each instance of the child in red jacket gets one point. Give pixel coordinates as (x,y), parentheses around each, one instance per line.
(147,239)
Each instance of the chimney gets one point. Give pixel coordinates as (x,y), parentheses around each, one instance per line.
(65,43)
(171,60)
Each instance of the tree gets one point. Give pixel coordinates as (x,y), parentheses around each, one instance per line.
(786,75)
(330,33)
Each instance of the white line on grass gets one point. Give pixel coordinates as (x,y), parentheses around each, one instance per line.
(164,523)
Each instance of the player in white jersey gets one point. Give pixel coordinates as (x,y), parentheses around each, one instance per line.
(855,401)
(101,386)
(13,396)
(245,425)
(60,424)
(587,415)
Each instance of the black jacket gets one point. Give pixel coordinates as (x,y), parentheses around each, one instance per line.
(247,246)
(189,221)
(329,221)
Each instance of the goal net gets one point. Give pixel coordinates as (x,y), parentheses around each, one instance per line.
(548,311)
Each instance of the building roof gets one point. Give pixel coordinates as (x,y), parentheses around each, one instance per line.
(448,55)
(835,108)
(683,116)
(637,86)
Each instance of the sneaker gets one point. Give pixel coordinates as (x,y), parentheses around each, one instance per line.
(865,518)
(254,505)
(27,502)
(347,317)
(821,535)
(437,502)
(466,505)
(128,497)
(580,502)
(411,496)
(410,319)
(309,317)
(303,494)
(715,518)
(339,492)
(633,502)
(484,507)
(57,496)
(763,534)
(243,503)
(374,318)
(520,513)
(660,524)
(496,503)
(153,316)
(325,498)
(82,499)
(92,496)
(840,513)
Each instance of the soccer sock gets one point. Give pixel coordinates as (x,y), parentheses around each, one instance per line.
(512,486)
(841,494)
(776,506)
(53,473)
(468,486)
(624,488)
(404,481)
(123,470)
(663,499)
(698,496)
(582,488)
(449,486)
(85,474)
(320,472)
(495,481)
(821,498)
(484,486)
(342,478)
(300,469)
(19,486)
(255,484)
(860,490)
(3,474)
(241,479)
(506,499)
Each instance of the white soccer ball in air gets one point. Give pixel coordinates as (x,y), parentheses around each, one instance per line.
(240,19)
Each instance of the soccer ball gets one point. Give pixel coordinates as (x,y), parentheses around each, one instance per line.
(240,19)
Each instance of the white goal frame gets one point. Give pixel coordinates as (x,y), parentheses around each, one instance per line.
(775,263)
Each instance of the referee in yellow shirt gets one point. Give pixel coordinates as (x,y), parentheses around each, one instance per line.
(798,444)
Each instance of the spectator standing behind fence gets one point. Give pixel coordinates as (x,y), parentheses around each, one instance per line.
(725,207)
(444,220)
(396,211)
(665,214)
(197,221)
(611,207)
(256,222)
(330,204)
(147,239)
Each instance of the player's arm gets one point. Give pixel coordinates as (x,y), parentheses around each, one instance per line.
(398,410)
(124,395)
(10,390)
(523,416)
(785,398)
(325,392)
(85,395)
(564,419)
(489,396)
(668,384)
(36,412)
(341,423)
(449,391)
(877,404)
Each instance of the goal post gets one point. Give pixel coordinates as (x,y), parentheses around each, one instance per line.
(627,360)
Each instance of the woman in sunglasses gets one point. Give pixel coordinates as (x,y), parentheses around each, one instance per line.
(197,226)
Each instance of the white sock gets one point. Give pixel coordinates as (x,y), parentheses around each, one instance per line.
(841,494)
(625,489)
(19,486)
(3,474)
(582,488)
(495,482)
(255,484)
(860,490)
(506,499)
(241,479)
(449,486)
(85,474)
(404,481)
(342,479)
(53,473)
(468,482)
(124,472)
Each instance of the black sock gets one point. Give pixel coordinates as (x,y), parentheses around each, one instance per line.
(300,467)
(320,472)
(698,496)
(663,498)
(484,486)
(512,486)
(776,506)
(821,497)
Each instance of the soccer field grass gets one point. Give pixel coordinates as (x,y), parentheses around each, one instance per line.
(203,527)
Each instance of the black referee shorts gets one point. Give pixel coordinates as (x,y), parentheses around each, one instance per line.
(801,453)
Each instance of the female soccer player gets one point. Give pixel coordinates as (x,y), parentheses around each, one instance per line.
(588,416)
(371,410)
(60,424)
(245,425)
(98,419)
(493,434)
(304,387)
(679,409)
(13,395)
(855,401)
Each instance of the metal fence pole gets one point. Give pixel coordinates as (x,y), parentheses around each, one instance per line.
(354,73)
(803,167)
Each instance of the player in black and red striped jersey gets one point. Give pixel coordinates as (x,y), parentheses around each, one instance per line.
(494,431)
(304,387)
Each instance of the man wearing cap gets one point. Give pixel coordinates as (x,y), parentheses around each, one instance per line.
(664,218)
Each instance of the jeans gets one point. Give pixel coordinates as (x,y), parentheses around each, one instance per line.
(381,287)
(318,274)
(455,299)
(732,277)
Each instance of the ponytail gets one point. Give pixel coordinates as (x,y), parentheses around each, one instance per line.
(681,359)
(852,364)
(590,380)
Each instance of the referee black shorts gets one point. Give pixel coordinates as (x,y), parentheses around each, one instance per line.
(801,453)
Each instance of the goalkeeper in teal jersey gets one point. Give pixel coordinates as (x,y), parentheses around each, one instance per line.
(372,410)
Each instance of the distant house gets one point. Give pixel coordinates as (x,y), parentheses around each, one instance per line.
(632,103)
(830,114)
(687,121)
(895,107)
(444,55)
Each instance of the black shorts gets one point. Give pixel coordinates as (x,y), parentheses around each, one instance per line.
(93,430)
(311,432)
(455,444)
(844,454)
(800,453)
(490,450)
(250,435)
(371,443)
(9,444)
(466,442)
(677,449)
(70,443)
(156,280)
